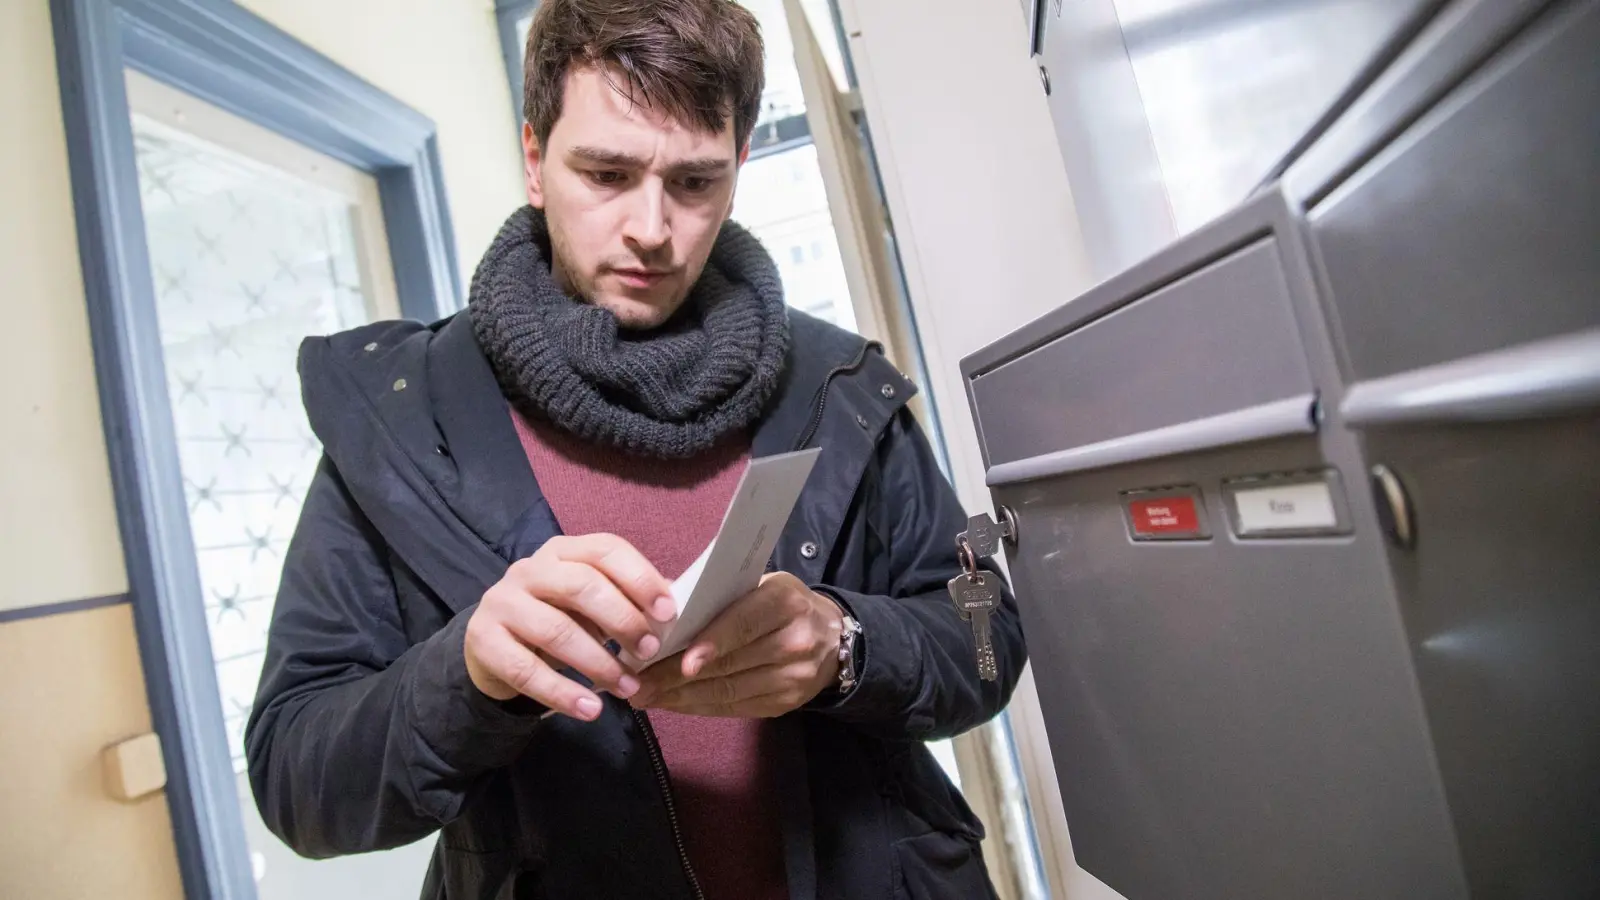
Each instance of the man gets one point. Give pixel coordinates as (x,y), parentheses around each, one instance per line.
(506,495)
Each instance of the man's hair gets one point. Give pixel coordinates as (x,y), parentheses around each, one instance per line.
(697,61)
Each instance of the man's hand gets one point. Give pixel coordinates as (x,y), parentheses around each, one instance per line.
(769,653)
(557,607)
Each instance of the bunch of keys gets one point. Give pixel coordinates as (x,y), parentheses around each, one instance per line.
(975,592)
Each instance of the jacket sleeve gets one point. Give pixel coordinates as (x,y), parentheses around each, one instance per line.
(359,741)
(919,676)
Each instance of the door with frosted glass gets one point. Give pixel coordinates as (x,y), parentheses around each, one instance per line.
(255,243)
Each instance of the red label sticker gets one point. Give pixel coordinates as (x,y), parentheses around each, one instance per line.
(1165,515)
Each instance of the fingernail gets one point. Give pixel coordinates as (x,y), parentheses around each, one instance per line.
(693,665)
(664,609)
(627,686)
(589,708)
(649,645)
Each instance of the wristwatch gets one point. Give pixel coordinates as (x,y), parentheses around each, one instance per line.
(849,646)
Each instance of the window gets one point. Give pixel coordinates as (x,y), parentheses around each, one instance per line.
(248,258)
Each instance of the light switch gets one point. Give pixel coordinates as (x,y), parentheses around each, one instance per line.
(134,768)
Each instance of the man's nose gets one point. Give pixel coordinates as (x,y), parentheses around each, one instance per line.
(646,228)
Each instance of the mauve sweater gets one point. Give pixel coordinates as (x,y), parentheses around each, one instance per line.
(670,510)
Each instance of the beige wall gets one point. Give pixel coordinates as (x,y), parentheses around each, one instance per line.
(442,58)
(71,684)
(58,527)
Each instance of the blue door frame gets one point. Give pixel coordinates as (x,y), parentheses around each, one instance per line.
(228,56)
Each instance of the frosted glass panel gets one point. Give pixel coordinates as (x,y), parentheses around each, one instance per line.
(247,262)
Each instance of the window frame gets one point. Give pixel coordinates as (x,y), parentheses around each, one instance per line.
(233,59)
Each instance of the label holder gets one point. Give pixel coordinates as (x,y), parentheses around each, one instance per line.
(1328,478)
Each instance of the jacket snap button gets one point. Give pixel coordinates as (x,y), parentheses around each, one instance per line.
(400,384)
(808,550)
(862,421)
(887,391)
(371,347)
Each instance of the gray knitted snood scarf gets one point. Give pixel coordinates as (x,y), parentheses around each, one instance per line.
(669,393)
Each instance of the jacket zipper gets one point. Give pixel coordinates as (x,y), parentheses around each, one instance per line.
(821,403)
(664,781)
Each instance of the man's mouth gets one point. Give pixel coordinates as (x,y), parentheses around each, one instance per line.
(641,278)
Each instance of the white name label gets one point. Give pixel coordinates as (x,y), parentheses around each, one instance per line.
(1289,507)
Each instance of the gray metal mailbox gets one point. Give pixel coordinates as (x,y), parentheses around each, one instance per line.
(1308,504)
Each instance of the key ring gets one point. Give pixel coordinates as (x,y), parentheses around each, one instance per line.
(969,562)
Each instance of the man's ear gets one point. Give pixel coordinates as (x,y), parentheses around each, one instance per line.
(533,166)
(744,154)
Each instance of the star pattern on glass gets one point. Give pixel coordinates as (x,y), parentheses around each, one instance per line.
(209,245)
(234,440)
(259,543)
(284,489)
(229,602)
(189,386)
(202,494)
(271,392)
(166,282)
(285,268)
(223,339)
(158,183)
(255,300)
(240,210)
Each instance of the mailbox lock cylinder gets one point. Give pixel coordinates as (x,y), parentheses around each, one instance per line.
(1394,507)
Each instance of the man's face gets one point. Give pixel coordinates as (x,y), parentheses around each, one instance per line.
(633,199)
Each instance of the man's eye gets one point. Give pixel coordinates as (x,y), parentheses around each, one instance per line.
(694,184)
(607,178)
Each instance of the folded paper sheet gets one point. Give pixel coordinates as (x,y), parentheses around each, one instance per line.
(733,564)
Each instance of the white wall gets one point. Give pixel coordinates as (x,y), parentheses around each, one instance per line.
(989,237)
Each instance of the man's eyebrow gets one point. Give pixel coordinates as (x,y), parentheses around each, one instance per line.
(604,157)
(706,165)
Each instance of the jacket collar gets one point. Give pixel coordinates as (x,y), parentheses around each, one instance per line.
(495,491)
(456,427)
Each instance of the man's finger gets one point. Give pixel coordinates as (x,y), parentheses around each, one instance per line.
(557,634)
(626,567)
(588,593)
(752,617)
(787,644)
(726,691)
(664,676)
(518,666)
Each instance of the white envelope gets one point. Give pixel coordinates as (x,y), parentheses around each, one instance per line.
(733,564)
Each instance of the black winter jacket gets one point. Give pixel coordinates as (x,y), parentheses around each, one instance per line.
(368,734)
